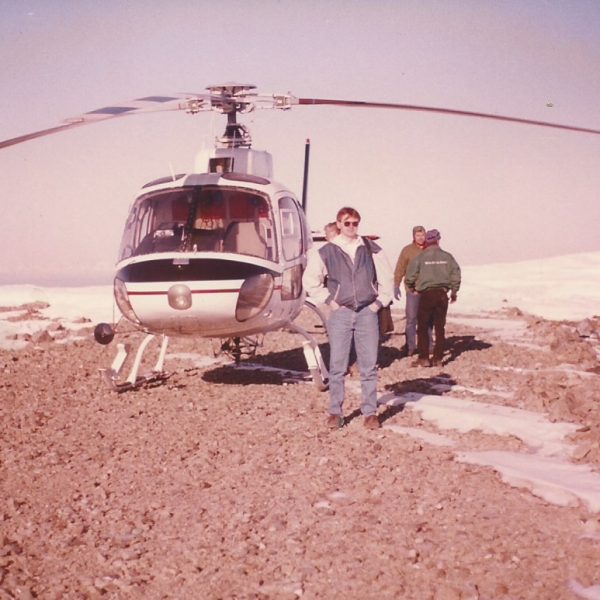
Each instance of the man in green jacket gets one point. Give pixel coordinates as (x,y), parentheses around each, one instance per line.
(432,274)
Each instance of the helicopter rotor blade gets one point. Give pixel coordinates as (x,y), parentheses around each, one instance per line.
(231,98)
(191,103)
(37,134)
(444,111)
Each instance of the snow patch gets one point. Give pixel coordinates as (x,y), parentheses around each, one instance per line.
(555,480)
(534,429)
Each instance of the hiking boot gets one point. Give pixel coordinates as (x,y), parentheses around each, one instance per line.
(335,421)
(436,362)
(421,362)
(372,422)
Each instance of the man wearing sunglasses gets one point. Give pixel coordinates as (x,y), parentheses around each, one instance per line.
(353,276)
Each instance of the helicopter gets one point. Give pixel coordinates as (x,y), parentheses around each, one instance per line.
(219,252)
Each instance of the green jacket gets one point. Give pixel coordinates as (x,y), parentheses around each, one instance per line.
(433,268)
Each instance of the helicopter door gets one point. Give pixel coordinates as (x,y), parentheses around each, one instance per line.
(291,229)
(292,245)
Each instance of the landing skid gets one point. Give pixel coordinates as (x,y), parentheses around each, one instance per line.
(135,381)
(237,348)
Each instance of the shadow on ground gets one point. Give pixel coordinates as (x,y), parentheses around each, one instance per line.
(436,385)
(287,364)
(457,344)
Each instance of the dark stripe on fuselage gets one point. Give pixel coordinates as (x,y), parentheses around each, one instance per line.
(221,291)
(197,269)
(164,293)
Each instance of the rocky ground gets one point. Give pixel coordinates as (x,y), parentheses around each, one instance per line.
(222,483)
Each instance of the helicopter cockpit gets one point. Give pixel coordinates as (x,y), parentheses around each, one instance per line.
(201,219)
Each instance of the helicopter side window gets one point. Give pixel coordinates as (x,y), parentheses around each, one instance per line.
(291,228)
(127,240)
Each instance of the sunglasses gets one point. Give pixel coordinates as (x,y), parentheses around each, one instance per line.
(350,223)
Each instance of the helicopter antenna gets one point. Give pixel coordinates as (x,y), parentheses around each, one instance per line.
(173,178)
(305,180)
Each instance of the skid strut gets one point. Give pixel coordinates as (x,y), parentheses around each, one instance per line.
(133,380)
(314,359)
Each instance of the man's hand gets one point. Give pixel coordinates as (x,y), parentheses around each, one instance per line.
(397,293)
(374,307)
(334,305)
(453,297)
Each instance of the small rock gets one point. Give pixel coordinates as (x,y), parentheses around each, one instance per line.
(41,337)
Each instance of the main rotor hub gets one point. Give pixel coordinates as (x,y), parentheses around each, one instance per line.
(230,99)
(236,135)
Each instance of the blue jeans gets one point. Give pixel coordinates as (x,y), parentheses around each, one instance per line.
(345,325)
(412,309)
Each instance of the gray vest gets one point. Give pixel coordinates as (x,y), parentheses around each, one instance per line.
(351,284)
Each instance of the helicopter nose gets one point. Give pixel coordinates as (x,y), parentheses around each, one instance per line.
(179,296)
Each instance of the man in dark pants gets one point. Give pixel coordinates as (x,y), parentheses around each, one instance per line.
(433,273)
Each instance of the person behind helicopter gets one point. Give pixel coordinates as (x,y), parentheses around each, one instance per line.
(412,298)
(331,230)
(352,275)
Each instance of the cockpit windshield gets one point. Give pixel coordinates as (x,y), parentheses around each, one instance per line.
(201,219)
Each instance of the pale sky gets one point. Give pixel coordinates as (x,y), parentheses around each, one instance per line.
(497,192)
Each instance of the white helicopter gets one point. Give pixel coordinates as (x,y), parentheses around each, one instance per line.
(218,253)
